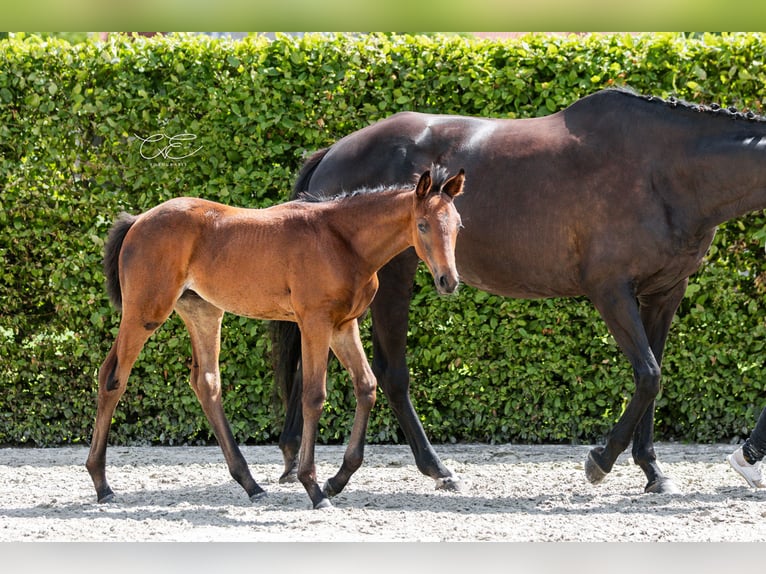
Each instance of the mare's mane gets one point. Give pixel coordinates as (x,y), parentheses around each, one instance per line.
(439,176)
(673,102)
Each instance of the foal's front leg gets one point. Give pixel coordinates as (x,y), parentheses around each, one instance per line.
(315,345)
(347,346)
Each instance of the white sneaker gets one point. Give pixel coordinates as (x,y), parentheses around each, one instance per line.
(750,472)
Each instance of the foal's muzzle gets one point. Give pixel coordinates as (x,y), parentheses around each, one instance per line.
(446,284)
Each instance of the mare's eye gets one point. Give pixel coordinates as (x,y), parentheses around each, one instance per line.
(422,227)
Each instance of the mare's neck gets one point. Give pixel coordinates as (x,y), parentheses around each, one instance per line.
(727,174)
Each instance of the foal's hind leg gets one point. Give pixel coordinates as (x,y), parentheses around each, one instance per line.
(112,381)
(347,346)
(203,321)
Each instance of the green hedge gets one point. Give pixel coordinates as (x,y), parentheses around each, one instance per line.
(484,368)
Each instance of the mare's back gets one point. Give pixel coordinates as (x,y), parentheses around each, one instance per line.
(394,150)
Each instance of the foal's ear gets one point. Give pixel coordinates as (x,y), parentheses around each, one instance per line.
(424,185)
(454,185)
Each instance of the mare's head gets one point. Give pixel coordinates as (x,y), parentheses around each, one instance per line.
(436,223)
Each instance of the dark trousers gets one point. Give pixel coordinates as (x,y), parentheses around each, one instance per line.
(754,448)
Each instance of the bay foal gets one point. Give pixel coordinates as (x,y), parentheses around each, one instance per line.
(308,261)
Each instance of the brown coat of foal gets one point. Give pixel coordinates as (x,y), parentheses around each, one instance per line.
(312,262)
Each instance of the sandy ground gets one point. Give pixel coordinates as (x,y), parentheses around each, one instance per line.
(511,493)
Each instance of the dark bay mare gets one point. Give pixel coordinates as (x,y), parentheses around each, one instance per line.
(616,197)
(312,262)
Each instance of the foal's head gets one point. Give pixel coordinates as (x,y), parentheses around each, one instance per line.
(436,224)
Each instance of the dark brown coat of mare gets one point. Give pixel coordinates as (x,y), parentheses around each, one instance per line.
(311,262)
(616,197)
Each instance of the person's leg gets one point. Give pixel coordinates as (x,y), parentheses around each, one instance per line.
(746,460)
(754,448)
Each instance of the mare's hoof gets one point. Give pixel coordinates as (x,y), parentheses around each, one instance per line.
(322,504)
(288,477)
(258,496)
(328,489)
(662,486)
(452,483)
(593,472)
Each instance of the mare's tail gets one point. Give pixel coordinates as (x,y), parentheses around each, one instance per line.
(285,358)
(307,170)
(112,257)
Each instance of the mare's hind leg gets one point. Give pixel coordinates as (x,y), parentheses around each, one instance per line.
(112,381)
(347,346)
(656,314)
(619,308)
(290,437)
(203,321)
(390,317)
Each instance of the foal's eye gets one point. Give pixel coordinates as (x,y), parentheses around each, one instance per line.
(422,227)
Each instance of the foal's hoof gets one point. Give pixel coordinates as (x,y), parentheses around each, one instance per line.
(258,496)
(322,504)
(289,477)
(452,483)
(593,472)
(662,486)
(106,498)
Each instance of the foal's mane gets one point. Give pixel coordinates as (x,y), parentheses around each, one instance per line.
(673,102)
(439,175)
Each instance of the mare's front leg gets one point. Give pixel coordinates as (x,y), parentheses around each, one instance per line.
(390,318)
(619,308)
(347,346)
(203,321)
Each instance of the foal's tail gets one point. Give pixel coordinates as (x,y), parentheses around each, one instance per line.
(112,256)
